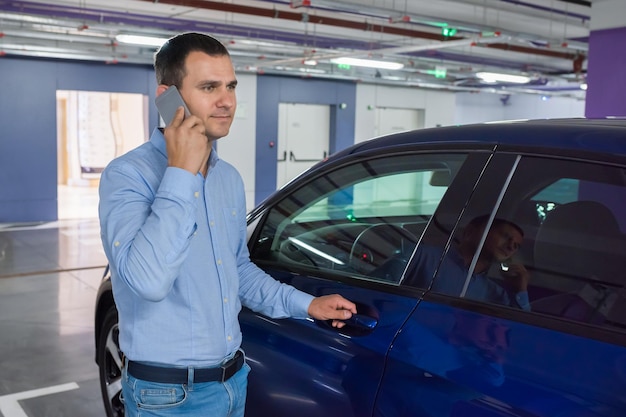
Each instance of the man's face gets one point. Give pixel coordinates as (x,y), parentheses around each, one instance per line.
(502,242)
(209,91)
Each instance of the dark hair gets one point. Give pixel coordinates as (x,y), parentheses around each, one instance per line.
(169,61)
(481,221)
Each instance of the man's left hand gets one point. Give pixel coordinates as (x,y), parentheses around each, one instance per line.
(517,277)
(332,307)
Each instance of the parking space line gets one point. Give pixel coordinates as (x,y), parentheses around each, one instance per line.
(9,406)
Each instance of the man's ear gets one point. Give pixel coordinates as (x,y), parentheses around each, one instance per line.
(161,89)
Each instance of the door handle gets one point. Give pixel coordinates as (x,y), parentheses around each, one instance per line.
(357,325)
(362,321)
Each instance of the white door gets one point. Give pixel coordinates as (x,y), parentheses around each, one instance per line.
(303,138)
(392,120)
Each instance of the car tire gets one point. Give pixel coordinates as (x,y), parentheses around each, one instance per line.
(110,362)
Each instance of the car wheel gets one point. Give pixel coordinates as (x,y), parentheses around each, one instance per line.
(110,360)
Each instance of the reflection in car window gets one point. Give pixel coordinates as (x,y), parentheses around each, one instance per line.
(361,220)
(564,190)
(573,215)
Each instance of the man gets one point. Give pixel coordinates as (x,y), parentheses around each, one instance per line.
(502,242)
(172,217)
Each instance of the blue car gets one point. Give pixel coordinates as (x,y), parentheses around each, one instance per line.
(487,263)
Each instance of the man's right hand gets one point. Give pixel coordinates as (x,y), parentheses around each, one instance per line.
(186,142)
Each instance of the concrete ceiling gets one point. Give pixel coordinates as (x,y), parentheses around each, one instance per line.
(546,40)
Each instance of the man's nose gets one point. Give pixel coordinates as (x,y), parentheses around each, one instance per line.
(226,99)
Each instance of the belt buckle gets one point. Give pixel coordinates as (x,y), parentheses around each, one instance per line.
(226,371)
(229,368)
(224,378)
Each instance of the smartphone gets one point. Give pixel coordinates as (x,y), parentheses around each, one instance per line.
(168,102)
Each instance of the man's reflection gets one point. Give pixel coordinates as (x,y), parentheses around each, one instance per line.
(501,244)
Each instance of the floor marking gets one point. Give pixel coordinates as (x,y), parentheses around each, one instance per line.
(9,406)
(50,271)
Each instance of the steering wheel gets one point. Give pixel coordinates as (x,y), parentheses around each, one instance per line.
(295,251)
(380,243)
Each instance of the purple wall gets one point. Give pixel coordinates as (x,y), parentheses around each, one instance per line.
(606,74)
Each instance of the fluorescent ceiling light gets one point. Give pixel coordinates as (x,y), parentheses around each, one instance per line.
(492,77)
(258,43)
(367,63)
(141,40)
(317,252)
(583,86)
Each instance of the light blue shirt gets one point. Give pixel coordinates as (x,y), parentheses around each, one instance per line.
(451,278)
(180,267)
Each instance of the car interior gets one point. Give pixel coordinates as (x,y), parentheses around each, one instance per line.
(364,220)
(573,246)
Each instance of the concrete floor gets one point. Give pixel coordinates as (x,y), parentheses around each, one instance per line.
(49,275)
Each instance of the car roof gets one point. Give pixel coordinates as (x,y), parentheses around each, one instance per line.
(597,135)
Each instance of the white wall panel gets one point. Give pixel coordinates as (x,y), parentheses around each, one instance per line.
(239,147)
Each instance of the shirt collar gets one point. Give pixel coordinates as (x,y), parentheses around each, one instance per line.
(158,140)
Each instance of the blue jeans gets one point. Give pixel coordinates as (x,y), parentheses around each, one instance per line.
(215,399)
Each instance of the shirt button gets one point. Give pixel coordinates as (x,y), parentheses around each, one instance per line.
(219,261)
(229,338)
(116,244)
(196,194)
(212,223)
(234,213)
(225,300)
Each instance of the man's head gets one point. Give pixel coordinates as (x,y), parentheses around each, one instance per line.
(201,68)
(169,61)
(502,242)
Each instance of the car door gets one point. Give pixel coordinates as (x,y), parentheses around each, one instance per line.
(348,228)
(460,355)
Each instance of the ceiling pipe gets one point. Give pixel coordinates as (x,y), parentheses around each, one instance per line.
(302,17)
(181,25)
(347,24)
(387,51)
(423,20)
(113,17)
(169,24)
(552,9)
(534,51)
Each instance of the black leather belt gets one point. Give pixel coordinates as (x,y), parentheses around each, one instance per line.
(180,375)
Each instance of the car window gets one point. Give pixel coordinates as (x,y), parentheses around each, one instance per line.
(359,220)
(571,217)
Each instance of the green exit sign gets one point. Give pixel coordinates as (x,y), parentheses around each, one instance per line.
(343,66)
(447,31)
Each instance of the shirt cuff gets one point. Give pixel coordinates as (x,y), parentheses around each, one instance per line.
(180,183)
(522,300)
(300,302)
